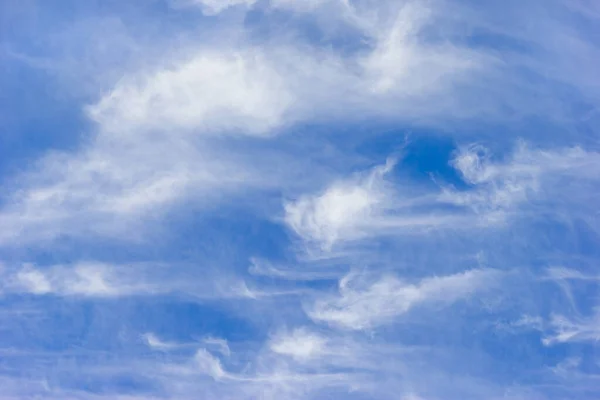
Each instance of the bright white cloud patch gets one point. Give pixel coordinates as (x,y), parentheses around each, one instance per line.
(300,344)
(345,210)
(211,92)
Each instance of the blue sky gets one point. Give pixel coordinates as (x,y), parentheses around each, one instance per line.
(319,199)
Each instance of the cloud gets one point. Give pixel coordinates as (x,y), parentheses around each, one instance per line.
(364,305)
(565,329)
(213,344)
(499,188)
(33,281)
(154,342)
(82,280)
(146,151)
(524,323)
(562,273)
(577,320)
(370,205)
(300,344)
(102,280)
(211,92)
(268,376)
(149,148)
(404,64)
(218,344)
(342,211)
(209,365)
(107,188)
(211,7)
(296,272)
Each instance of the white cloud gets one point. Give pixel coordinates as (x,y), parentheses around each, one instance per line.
(154,342)
(562,273)
(362,304)
(301,272)
(95,280)
(343,211)
(370,205)
(213,344)
(568,324)
(33,281)
(300,344)
(209,364)
(405,64)
(501,187)
(211,7)
(141,161)
(109,188)
(151,148)
(218,344)
(529,322)
(211,92)
(567,329)
(496,190)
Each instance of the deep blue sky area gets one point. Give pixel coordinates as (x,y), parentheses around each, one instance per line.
(290,200)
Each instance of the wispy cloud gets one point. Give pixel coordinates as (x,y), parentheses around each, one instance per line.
(501,187)
(85,280)
(101,280)
(300,345)
(362,304)
(342,211)
(209,93)
(573,329)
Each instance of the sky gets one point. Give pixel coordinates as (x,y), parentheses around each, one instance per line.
(299,199)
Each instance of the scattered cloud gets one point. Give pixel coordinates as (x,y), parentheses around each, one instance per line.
(209,365)
(404,64)
(154,342)
(344,210)
(100,280)
(214,92)
(218,344)
(566,329)
(501,187)
(300,344)
(562,273)
(84,280)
